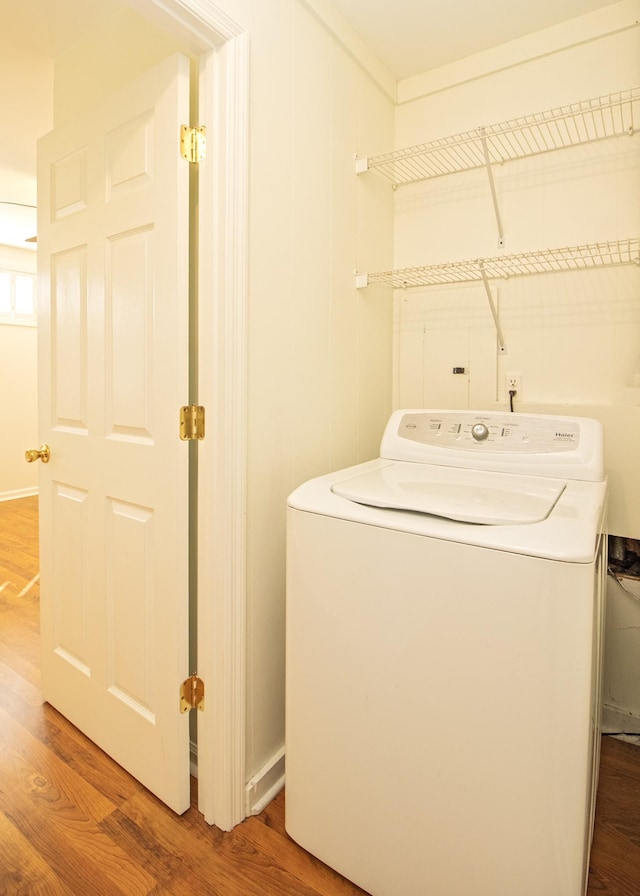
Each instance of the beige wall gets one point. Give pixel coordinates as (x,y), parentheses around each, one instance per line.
(125,46)
(18,393)
(18,409)
(319,351)
(25,109)
(622,658)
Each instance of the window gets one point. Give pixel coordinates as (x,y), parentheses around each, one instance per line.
(17,298)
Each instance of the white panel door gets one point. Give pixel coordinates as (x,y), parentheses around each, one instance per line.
(113,354)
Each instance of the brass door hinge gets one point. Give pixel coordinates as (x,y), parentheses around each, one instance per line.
(193,143)
(191,422)
(192,694)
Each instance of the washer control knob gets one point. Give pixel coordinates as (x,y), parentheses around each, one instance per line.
(479,432)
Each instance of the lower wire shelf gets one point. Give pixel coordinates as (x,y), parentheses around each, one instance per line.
(542,261)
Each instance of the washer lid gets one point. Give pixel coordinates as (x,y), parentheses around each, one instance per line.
(469,496)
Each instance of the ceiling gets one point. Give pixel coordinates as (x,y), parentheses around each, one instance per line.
(414,36)
(409,36)
(46,27)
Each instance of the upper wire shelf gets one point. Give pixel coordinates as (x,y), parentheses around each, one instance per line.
(573,258)
(583,122)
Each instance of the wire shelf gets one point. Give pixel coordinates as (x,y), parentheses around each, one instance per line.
(544,261)
(583,122)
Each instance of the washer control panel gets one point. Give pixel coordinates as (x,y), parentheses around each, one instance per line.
(530,434)
(533,444)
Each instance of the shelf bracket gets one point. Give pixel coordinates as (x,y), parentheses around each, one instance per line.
(492,186)
(502,348)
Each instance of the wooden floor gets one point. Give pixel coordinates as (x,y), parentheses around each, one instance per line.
(72,822)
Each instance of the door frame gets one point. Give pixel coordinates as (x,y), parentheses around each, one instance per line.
(222,48)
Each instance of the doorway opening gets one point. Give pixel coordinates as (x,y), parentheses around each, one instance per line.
(222,56)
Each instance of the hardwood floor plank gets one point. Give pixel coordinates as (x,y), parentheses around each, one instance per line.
(281,851)
(23,871)
(68,840)
(16,690)
(20,647)
(18,543)
(615,854)
(273,814)
(71,747)
(168,866)
(47,766)
(231,866)
(58,813)
(94,766)
(88,760)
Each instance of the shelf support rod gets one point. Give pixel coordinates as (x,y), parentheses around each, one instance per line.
(502,348)
(492,185)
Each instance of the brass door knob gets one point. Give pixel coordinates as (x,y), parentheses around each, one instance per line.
(42,453)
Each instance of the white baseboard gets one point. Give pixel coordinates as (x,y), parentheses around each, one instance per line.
(18,493)
(614,720)
(261,788)
(265,784)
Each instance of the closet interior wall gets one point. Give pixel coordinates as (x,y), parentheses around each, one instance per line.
(572,338)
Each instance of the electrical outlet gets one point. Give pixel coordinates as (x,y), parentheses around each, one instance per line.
(513,383)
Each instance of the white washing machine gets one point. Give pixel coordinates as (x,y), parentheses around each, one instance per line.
(444,640)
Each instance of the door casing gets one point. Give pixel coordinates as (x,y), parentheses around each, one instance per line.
(222,48)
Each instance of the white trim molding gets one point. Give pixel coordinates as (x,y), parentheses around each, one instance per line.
(265,784)
(222,47)
(200,24)
(591,26)
(352,43)
(617,721)
(18,493)
(222,465)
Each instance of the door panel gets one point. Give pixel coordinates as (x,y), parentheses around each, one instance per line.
(113,355)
